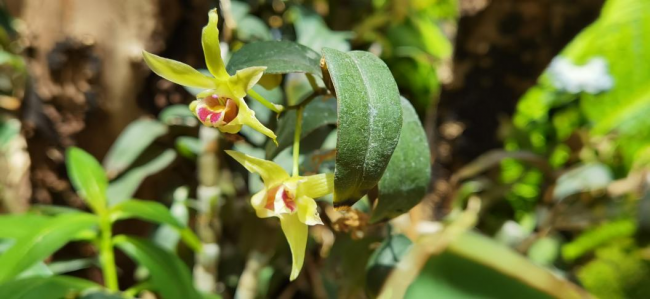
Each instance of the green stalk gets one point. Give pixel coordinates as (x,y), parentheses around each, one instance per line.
(296,141)
(106,256)
(275,108)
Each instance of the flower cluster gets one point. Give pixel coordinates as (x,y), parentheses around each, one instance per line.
(221,105)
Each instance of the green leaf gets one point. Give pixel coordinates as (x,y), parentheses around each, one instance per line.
(145,210)
(189,147)
(320,112)
(61,267)
(476,266)
(383,260)
(169,275)
(45,287)
(87,177)
(280,57)
(582,178)
(405,181)
(137,136)
(312,31)
(370,120)
(41,242)
(178,115)
(124,187)
(17,226)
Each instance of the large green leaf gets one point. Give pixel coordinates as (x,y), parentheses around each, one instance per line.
(405,181)
(475,266)
(87,177)
(45,287)
(43,241)
(169,276)
(320,112)
(370,121)
(131,143)
(154,212)
(383,260)
(16,226)
(280,57)
(124,187)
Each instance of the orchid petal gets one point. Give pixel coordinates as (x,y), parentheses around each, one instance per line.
(246,116)
(245,79)
(211,47)
(308,211)
(177,72)
(258,201)
(272,174)
(296,234)
(316,186)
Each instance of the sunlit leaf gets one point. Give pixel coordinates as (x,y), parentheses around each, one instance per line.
(45,287)
(87,177)
(170,277)
(42,241)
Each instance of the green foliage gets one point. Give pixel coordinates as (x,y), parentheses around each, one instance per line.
(408,174)
(45,287)
(280,57)
(41,241)
(169,275)
(383,260)
(592,239)
(88,178)
(370,118)
(137,136)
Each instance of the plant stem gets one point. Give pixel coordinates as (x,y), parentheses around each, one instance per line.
(107,258)
(296,141)
(275,108)
(312,81)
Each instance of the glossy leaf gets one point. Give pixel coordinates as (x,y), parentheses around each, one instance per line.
(137,136)
(87,177)
(124,187)
(17,226)
(370,120)
(170,277)
(42,242)
(320,112)
(45,287)
(280,57)
(383,260)
(405,181)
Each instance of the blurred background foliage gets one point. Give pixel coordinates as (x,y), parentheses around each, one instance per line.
(535,111)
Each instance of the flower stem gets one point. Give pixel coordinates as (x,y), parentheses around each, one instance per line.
(107,258)
(296,141)
(275,108)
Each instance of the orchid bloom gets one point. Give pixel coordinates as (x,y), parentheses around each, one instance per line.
(222,104)
(289,198)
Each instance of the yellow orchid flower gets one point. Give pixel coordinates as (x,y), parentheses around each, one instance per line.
(291,199)
(222,104)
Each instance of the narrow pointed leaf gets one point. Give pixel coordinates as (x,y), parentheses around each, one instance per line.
(87,177)
(45,287)
(370,120)
(405,181)
(170,277)
(177,72)
(124,187)
(42,242)
(137,136)
(280,57)
(154,212)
